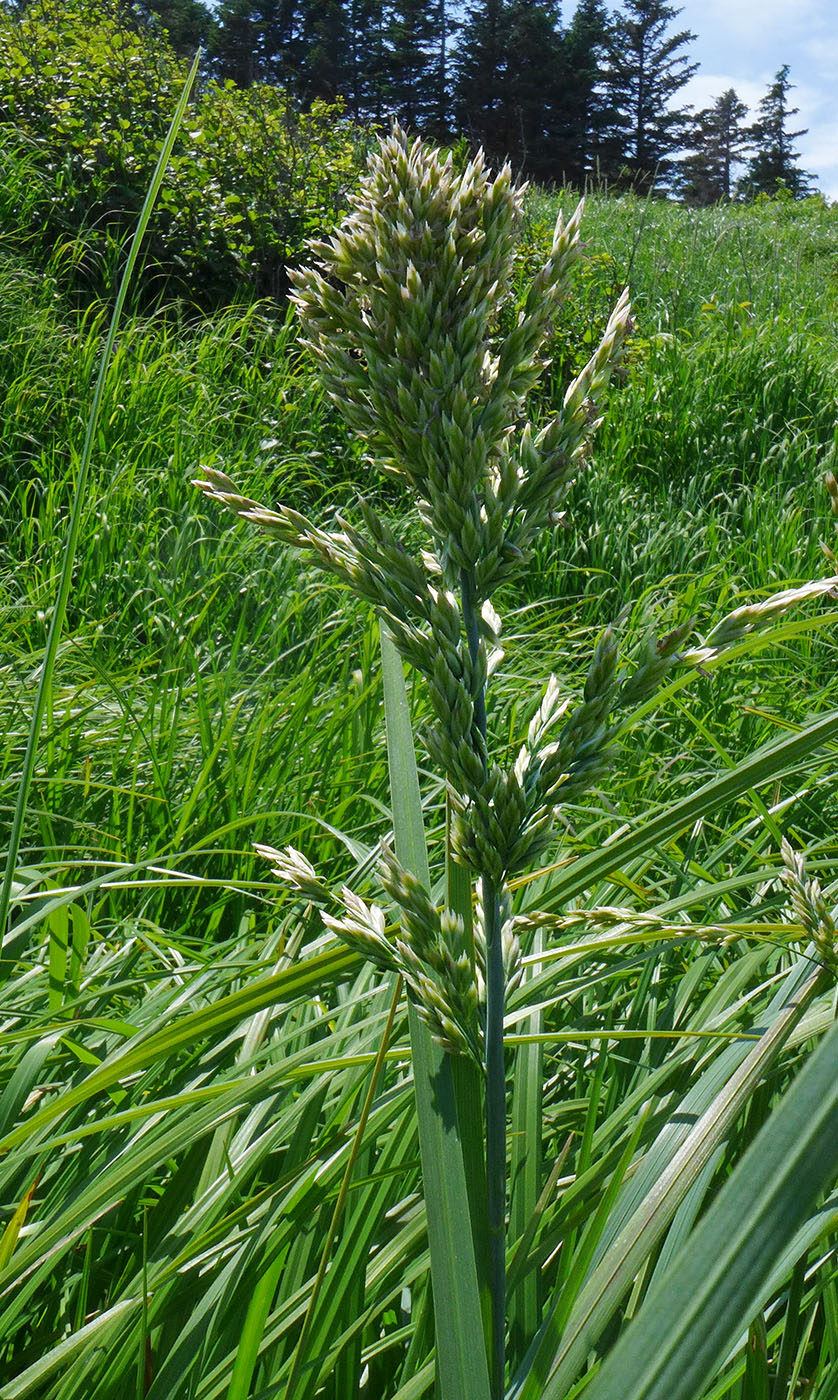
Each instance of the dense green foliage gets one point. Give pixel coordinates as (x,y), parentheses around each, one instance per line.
(590,101)
(188,1054)
(86,99)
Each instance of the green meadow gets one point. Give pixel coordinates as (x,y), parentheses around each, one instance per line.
(209,1159)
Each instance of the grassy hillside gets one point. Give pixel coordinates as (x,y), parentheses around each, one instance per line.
(188,1051)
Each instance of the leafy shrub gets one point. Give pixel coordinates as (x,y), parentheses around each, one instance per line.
(87,92)
(255,182)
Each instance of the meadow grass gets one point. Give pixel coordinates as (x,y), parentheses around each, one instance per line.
(188,1053)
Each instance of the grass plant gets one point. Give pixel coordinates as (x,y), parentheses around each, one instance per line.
(401,314)
(210,1155)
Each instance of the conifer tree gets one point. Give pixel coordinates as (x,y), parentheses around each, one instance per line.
(774,163)
(325,51)
(583,112)
(534,89)
(510,93)
(439,125)
(411,64)
(365,24)
(259,41)
(719,142)
(188,23)
(480,105)
(646,68)
(232,51)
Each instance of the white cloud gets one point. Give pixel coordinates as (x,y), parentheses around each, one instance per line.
(822,53)
(703,89)
(751,21)
(820,158)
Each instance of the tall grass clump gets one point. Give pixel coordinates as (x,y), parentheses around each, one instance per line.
(410,316)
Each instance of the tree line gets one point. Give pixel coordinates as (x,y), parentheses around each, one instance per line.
(593,100)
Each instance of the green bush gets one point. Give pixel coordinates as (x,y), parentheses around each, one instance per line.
(86,95)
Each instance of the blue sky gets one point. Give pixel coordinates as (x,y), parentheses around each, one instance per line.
(742,43)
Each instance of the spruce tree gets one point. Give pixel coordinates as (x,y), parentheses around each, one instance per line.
(188,23)
(325,69)
(533,93)
(719,142)
(646,68)
(582,103)
(365,59)
(480,106)
(259,41)
(439,125)
(232,49)
(774,163)
(411,65)
(510,94)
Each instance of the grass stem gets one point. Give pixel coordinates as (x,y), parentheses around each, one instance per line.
(495,1134)
(495,1073)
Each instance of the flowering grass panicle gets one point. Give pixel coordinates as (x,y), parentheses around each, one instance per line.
(401,313)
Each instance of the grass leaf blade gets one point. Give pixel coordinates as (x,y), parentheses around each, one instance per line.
(703,1303)
(461,1354)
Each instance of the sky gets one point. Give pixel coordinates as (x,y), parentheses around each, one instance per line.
(742,43)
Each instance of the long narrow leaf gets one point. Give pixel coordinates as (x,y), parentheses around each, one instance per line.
(461,1354)
(526,1164)
(704,1303)
(677,1171)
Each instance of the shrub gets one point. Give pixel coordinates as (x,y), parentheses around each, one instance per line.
(87,92)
